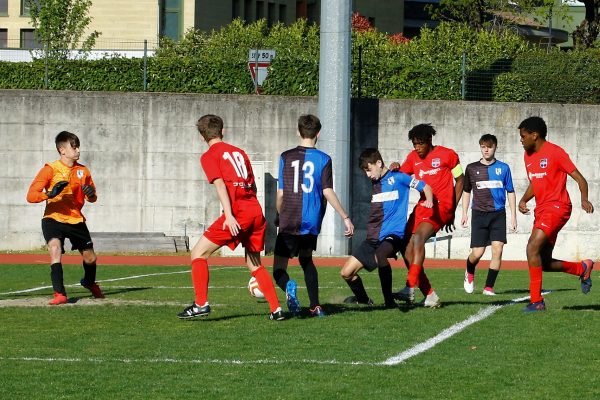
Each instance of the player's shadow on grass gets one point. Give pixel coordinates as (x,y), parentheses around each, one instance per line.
(108,293)
(587,307)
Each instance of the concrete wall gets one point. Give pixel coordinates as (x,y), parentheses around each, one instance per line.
(143,151)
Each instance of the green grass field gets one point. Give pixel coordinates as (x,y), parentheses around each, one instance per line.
(132,346)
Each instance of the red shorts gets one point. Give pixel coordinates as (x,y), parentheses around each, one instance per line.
(438,216)
(251,235)
(551,219)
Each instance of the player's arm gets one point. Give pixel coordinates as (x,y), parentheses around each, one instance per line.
(528,195)
(279,200)
(332,199)
(583,189)
(230,221)
(512,204)
(466,200)
(36,194)
(428,203)
(458,175)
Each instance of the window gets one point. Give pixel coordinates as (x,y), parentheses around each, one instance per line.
(282,13)
(4,7)
(3,38)
(260,10)
(171,19)
(247,10)
(25,8)
(236,11)
(29,40)
(271,17)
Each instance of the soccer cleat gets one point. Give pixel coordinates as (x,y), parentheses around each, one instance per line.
(468,282)
(194,311)
(586,276)
(59,298)
(353,300)
(488,291)
(407,294)
(432,300)
(317,312)
(533,307)
(277,315)
(94,288)
(291,298)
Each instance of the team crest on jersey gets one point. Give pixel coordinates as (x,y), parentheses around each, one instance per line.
(80,173)
(498,171)
(390,180)
(435,162)
(543,163)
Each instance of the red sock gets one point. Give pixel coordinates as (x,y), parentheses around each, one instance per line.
(200,280)
(413,275)
(573,268)
(265,284)
(535,284)
(424,284)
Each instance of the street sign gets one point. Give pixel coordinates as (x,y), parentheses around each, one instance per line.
(258,64)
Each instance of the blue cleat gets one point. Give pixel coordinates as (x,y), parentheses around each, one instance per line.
(291,299)
(533,307)
(586,276)
(317,312)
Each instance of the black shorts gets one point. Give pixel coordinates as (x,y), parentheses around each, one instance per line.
(288,245)
(366,251)
(78,234)
(487,227)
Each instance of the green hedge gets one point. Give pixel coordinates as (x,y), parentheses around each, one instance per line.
(500,67)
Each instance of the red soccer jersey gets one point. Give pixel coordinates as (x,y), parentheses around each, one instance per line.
(231,164)
(436,171)
(547,171)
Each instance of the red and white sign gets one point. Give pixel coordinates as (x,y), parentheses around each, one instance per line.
(258,64)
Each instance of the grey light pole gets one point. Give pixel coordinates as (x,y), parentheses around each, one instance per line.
(334,112)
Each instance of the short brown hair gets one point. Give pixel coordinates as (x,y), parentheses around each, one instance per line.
(309,126)
(489,140)
(369,156)
(66,137)
(210,127)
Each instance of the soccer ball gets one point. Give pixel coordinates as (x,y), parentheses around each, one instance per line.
(254,289)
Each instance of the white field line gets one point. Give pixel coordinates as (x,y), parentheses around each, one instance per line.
(448,333)
(400,358)
(35,289)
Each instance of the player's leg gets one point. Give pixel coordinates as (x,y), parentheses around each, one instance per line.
(416,256)
(311,276)
(80,238)
(497,236)
(494,269)
(253,239)
(472,261)
(385,250)
(265,283)
(200,277)
(286,247)
(349,273)
(535,244)
(54,236)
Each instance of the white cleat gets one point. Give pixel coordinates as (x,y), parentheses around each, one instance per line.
(488,291)
(432,300)
(407,294)
(468,282)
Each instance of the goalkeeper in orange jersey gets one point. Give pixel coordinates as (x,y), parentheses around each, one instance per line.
(65,185)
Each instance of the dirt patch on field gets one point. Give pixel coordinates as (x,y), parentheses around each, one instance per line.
(74,301)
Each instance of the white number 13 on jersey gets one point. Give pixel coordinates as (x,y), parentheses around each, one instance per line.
(309,169)
(237,161)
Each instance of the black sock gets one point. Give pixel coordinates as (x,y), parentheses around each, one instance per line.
(358,289)
(471,266)
(56,275)
(281,277)
(311,277)
(385,277)
(89,273)
(491,277)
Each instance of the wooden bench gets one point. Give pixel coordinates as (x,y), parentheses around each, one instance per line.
(139,242)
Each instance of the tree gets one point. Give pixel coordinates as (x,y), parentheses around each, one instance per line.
(587,32)
(497,14)
(60,24)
